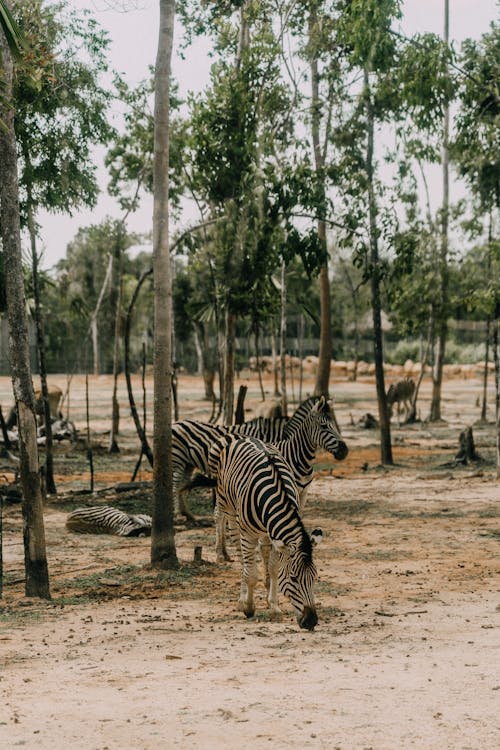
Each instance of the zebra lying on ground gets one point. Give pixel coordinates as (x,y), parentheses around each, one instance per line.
(191,442)
(101,519)
(257,492)
(401,393)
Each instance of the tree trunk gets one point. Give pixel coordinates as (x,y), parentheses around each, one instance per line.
(228,351)
(322,385)
(284,399)
(442,331)
(117,303)
(50,484)
(496,356)
(258,363)
(35,558)
(485,371)
(93,327)
(163,552)
(385,425)
(206,360)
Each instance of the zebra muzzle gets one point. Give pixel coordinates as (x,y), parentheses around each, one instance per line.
(341,451)
(308,619)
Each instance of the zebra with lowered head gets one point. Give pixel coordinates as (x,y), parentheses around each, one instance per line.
(257,492)
(317,429)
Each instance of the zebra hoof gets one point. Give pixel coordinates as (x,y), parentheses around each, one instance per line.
(248,611)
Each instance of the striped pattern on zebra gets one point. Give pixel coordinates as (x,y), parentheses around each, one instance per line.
(257,492)
(317,430)
(103,519)
(191,442)
(401,393)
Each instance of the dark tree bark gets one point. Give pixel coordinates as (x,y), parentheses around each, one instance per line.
(385,424)
(35,558)
(442,322)
(163,552)
(228,354)
(116,301)
(40,340)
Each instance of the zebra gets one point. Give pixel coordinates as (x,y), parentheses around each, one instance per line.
(316,430)
(191,441)
(257,492)
(102,519)
(401,393)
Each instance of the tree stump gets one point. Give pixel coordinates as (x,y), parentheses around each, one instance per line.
(467,451)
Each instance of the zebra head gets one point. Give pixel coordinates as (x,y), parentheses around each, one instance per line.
(325,429)
(297,574)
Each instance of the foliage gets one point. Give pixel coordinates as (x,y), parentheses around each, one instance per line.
(476,148)
(61,107)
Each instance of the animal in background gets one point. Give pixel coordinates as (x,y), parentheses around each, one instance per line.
(401,393)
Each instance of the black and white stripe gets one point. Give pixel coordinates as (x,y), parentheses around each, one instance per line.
(257,493)
(317,429)
(101,519)
(191,442)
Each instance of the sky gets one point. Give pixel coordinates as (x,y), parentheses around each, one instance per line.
(133,29)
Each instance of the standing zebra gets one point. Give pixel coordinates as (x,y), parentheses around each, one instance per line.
(401,393)
(256,491)
(191,442)
(316,430)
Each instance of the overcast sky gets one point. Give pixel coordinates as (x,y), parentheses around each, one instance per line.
(133,49)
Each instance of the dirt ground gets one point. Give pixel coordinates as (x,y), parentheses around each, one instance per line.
(406,653)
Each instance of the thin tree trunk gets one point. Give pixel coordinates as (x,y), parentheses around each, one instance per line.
(385,425)
(496,355)
(50,484)
(117,301)
(442,332)
(274,360)
(322,385)
(284,400)
(258,364)
(93,327)
(228,383)
(35,557)
(163,552)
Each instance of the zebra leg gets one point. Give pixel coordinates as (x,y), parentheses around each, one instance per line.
(221,522)
(273,563)
(180,504)
(249,575)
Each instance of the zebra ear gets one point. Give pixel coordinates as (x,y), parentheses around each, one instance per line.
(316,537)
(319,405)
(277,544)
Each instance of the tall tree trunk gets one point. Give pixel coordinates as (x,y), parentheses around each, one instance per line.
(484,403)
(94,327)
(163,552)
(228,352)
(35,557)
(496,356)
(385,425)
(284,398)
(442,330)
(117,304)
(206,360)
(322,385)
(50,484)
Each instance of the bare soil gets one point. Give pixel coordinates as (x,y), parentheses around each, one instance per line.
(406,653)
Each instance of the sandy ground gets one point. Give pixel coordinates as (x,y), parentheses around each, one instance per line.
(406,653)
